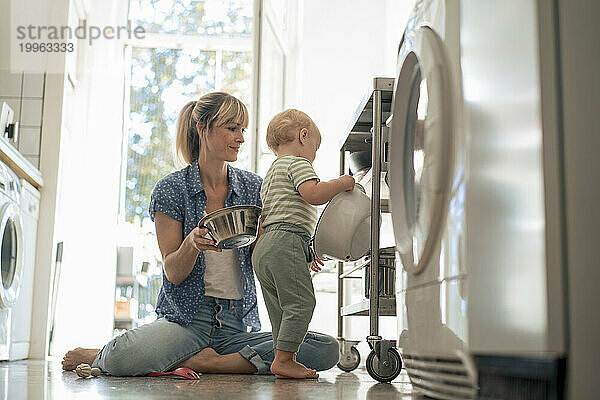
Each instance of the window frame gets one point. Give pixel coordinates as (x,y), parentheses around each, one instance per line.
(179,42)
(279,26)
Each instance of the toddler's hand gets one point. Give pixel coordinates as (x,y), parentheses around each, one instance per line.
(348,182)
(315,264)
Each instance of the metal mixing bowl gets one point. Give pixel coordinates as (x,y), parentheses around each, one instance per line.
(359,161)
(232,227)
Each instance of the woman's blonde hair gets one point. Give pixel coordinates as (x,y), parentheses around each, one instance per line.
(285,125)
(212,109)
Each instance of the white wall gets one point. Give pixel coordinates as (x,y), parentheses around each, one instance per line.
(343,45)
(89,189)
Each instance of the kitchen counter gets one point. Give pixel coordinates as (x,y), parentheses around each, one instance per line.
(10,156)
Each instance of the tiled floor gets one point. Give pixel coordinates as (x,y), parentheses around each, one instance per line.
(45,380)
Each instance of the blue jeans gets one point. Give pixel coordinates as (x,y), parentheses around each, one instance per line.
(162,345)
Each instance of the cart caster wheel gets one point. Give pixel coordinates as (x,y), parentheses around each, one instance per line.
(350,361)
(384,373)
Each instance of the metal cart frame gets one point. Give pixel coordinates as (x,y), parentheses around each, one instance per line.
(366,131)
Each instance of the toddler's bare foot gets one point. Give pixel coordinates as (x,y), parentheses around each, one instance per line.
(79,356)
(292,369)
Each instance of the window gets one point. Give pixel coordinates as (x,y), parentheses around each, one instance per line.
(276,45)
(271,100)
(218,18)
(191,47)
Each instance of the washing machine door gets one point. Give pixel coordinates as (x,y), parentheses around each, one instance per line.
(11,259)
(421,147)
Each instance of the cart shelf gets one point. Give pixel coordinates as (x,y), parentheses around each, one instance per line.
(359,265)
(387,307)
(368,130)
(358,132)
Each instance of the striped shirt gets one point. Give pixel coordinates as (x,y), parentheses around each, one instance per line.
(280,197)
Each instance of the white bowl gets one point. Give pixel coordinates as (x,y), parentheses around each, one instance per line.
(344,228)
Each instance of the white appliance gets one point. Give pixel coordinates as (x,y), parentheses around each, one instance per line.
(22,310)
(477,198)
(11,258)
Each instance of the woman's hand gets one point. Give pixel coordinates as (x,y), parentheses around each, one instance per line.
(200,242)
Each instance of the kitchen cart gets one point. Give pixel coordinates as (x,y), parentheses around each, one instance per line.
(367,132)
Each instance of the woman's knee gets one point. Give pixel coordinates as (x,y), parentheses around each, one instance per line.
(121,357)
(145,349)
(115,366)
(331,352)
(328,351)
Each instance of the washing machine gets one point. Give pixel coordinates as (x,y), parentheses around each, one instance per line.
(427,192)
(12,251)
(20,337)
(478,295)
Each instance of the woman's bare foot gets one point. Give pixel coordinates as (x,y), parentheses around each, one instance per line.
(206,356)
(209,361)
(285,366)
(79,356)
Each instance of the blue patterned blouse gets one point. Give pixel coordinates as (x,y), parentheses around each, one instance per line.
(181,196)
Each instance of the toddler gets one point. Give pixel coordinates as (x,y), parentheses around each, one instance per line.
(281,257)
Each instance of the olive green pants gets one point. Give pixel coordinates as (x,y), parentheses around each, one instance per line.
(281,260)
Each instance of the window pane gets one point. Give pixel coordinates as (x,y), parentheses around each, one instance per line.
(231,18)
(162,82)
(271,92)
(236,69)
(237,75)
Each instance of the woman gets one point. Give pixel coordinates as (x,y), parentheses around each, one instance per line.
(207,302)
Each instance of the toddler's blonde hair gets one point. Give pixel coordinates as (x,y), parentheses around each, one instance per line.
(284,127)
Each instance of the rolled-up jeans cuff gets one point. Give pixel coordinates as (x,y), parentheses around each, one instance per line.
(96,362)
(249,354)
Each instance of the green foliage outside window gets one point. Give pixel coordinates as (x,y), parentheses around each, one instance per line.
(162,80)
(225,18)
